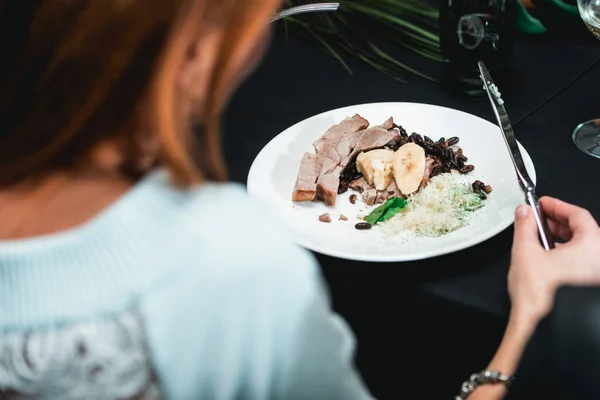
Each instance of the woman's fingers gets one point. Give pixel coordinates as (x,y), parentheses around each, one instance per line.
(567,220)
(558,230)
(525,237)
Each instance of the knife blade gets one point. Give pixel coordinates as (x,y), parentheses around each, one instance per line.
(523,177)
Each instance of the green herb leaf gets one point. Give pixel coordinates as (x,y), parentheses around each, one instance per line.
(374,216)
(386,211)
(397,206)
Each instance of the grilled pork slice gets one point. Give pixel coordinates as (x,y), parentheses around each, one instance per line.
(305,188)
(328,148)
(334,134)
(360,185)
(429,162)
(338,146)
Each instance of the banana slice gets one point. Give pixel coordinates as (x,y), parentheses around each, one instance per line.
(376,167)
(409,167)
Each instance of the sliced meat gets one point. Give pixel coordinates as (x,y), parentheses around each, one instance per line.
(334,134)
(372,138)
(360,185)
(373,196)
(327,186)
(346,144)
(369,196)
(391,191)
(305,188)
(350,144)
(325,217)
(328,180)
(327,159)
(429,163)
(337,148)
(388,124)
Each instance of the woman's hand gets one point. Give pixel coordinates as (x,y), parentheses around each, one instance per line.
(535,273)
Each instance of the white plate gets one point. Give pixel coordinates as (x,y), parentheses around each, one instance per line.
(273,175)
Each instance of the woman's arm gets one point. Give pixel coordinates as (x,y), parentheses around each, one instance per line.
(535,274)
(518,332)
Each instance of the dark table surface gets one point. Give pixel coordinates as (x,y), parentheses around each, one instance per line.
(451,309)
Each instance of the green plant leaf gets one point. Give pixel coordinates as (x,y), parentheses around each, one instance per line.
(359,26)
(387,210)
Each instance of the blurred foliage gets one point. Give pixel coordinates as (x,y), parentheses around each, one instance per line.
(362,29)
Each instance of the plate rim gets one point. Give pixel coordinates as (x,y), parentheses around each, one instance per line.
(422,255)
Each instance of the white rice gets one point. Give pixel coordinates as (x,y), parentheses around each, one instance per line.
(446,204)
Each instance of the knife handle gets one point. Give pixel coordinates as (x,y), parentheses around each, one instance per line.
(540,218)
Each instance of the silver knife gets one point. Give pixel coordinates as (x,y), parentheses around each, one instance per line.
(511,142)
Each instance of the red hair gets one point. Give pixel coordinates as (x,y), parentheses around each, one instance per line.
(80,73)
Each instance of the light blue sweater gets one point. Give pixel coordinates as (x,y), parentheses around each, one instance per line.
(226,305)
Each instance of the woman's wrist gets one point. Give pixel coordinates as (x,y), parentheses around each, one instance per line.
(519,330)
(521,326)
(522,322)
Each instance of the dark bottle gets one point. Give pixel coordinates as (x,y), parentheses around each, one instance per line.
(472,31)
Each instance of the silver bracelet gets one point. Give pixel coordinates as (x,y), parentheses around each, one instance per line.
(482,378)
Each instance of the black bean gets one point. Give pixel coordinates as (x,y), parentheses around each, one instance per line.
(466,169)
(439,151)
(449,154)
(343,188)
(442,141)
(451,142)
(353,198)
(363,226)
(401,130)
(461,157)
(416,138)
(430,149)
(476,187)
(482,196)
(427,139)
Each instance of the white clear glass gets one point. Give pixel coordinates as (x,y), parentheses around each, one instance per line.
(586,135)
